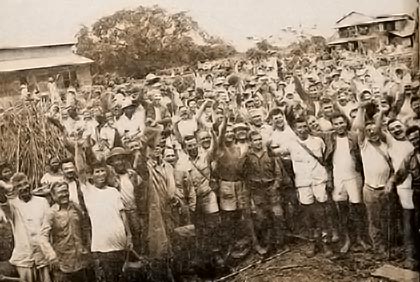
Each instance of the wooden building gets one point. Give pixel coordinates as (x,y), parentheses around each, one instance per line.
(356,31)
(33,65)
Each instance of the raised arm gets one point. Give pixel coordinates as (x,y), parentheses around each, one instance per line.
(213,145)
(359,123)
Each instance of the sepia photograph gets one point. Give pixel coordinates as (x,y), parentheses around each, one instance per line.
(209,141)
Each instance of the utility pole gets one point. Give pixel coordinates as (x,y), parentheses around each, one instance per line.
(417,36)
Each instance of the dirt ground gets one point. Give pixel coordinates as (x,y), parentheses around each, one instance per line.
(294,266)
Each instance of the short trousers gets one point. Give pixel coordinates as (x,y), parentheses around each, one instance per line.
(349,189)
(308,194)
(233,196)
(406,197)
(208,203)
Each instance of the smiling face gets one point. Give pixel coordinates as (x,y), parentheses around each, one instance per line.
(339,125)
(99,176)
(169,156)
(69,170)
(6,173)
(229,135)
(313,124)
(118,163)
(241,134)
(256,142)
(397,130)
(371,132)
(205,140)
(191,147)
(327,109)
(302,130)
(60,194)
(342,99)
(24,189)
(414,138)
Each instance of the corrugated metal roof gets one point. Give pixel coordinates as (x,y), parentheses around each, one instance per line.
(377,20)
(38,63)
(9,47)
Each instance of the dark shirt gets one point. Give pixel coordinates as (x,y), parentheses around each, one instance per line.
(261,167)
(61,233)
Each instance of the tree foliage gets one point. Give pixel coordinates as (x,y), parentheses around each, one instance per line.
(136,42)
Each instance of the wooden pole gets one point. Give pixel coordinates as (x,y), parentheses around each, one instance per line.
(416,43)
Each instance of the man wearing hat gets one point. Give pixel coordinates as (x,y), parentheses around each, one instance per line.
(128,181)
(130,124)
(241,137)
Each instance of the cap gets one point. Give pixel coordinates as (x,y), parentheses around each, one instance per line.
(240,125)
(127,103)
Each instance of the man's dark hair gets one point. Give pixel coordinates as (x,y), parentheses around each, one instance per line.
(336,115)
(253,133)
(67,160)
(274,112)
(392,120)
(299,120)
(57,184)
(98,164)
(187,138)
(412,129)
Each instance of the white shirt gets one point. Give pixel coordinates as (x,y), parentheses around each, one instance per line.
(281,138)
(27,222)
(375,167)
(132,126)
(104,207)
(107,132)
(308,171)
(187,127)
(73,193)
(398,151)
(344,166)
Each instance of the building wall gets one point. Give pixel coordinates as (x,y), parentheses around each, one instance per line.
(38,78)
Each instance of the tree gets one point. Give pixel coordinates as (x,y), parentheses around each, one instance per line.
(136,42)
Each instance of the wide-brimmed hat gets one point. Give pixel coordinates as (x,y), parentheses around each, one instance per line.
(116,151)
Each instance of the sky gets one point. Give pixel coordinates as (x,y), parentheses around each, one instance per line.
(35,22)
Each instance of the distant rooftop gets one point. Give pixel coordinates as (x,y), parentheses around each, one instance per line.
(356,18)
(10,47)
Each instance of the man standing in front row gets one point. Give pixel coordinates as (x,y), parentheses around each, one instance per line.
(111,234)
(411,167)
(311,177)
(263,175)
(61,237)
(27,215)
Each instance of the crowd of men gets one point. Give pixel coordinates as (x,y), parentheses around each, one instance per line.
(243,160)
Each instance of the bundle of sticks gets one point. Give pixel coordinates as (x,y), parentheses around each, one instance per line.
(28,138)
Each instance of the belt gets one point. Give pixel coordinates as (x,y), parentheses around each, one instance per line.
(373,188)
